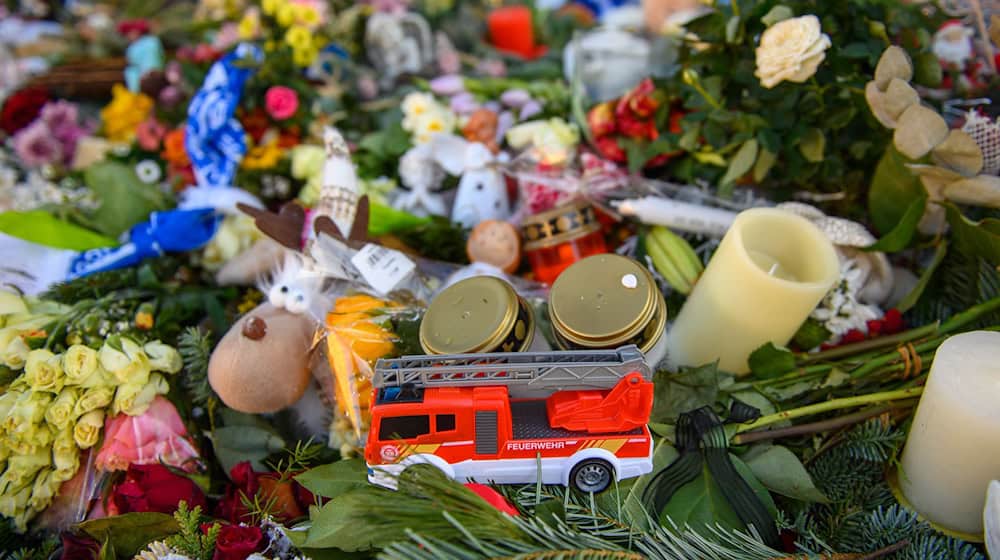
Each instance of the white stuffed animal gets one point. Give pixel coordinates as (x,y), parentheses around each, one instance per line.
(482,191)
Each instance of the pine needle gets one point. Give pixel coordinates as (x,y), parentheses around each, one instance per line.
(195,347)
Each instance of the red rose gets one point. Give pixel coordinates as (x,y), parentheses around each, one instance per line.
(609,148)
(601,119)
(79,547)
(155,488)
(22,108)
(632,127)
(643,100)
(236,542)
(291,500)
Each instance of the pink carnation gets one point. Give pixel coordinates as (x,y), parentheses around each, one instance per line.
(36,146)
(60,114)
(156,436)
(150,133)
(281,102)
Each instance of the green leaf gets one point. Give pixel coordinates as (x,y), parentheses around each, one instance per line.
(700,504)
(855,50)
(811,334)
(913,296)
(663,455)
(981,239)
(901,235)
(334,479)
(39,226)
(742,162)
(780,471)
(733,30)
(776,14)
(927,70)
(335,525)
(812,145)
(893,189)
(770,361)
(124,199)
(234,444)
(765,161)
(127,534)
(686,390)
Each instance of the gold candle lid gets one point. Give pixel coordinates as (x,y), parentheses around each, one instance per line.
(558,225)
(474,315)
(603,301)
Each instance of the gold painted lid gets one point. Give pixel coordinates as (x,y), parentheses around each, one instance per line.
(603,301)
(474,315)
(559,225)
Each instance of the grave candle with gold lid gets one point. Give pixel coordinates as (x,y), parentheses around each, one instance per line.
(479,314)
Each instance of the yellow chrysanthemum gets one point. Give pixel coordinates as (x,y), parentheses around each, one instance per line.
(249,26)
(304,57)
(286,15)
(271,7)
(263,157)
(298,37)
(306,15)
(122,116)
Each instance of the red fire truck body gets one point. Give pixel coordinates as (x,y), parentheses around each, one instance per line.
(576,418)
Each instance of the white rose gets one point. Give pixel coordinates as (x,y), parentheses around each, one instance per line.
(791,50)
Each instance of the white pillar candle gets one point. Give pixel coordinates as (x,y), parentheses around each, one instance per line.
(770,271)
(953,450)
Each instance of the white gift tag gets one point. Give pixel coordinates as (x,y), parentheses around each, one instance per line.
(383,268)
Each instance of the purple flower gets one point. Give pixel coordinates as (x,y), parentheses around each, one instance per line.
(464,103)
(530,109)
(36,146)
(173,72)
(493,68)
(492,106)
(389,6)
(448,86)
(170,96)
(515,98)
(59,114)
(504,123)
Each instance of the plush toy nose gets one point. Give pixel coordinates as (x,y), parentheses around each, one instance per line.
(255,328)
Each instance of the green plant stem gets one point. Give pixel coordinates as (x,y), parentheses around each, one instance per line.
(871,344)
(971,314)
(886,359)
(814,427)
(835,404)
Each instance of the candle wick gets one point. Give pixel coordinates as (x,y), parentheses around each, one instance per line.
(774,268)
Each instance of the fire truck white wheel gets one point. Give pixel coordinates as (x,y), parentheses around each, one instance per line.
(592,475)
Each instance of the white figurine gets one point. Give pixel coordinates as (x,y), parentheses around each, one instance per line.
(482,191)
(422,175)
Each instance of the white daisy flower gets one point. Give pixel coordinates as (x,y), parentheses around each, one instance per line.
(148,171)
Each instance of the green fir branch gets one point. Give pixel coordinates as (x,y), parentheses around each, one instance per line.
(190,541)
(195,347)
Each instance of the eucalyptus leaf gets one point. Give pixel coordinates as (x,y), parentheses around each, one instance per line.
(742,162)
(334,479)
(780,471)
(935,178)
(960,153)
(234,444)
(919,131)
(124,200)
(770,361)
(812,145)
(901,235)
(129,533)
(894,63)
(776,14)
(982,190)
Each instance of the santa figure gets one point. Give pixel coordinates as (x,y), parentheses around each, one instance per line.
(953,45)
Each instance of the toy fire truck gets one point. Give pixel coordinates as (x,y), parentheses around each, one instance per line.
(575,417)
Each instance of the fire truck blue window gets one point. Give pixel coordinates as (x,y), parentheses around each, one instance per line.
(445,422)
(404,427)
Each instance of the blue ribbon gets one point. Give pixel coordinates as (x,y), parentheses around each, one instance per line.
(170,231)
(215,141)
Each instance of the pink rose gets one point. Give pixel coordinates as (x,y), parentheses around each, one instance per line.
(150,133)
(156,436)
(281,102)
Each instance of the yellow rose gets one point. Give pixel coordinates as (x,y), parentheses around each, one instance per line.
(15,353)
(65,455)
(12,503)
(93,399)
(60,412)
(113,359)
(286,15)
(79,363)
(88,429)
(163,357)
(7,401)
(44,489)
(135,399)
(126,361)
(29,408)
(791,50)
(43,371)
(307,161)
(20,467)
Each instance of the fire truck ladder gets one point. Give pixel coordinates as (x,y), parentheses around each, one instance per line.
(526,374)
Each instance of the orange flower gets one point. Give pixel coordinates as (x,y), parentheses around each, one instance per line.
(173,148)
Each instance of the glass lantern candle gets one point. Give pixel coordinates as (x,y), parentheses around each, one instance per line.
(608,301)
(557,238)
(477,315)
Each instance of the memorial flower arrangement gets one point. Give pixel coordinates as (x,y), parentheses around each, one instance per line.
(196,311)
